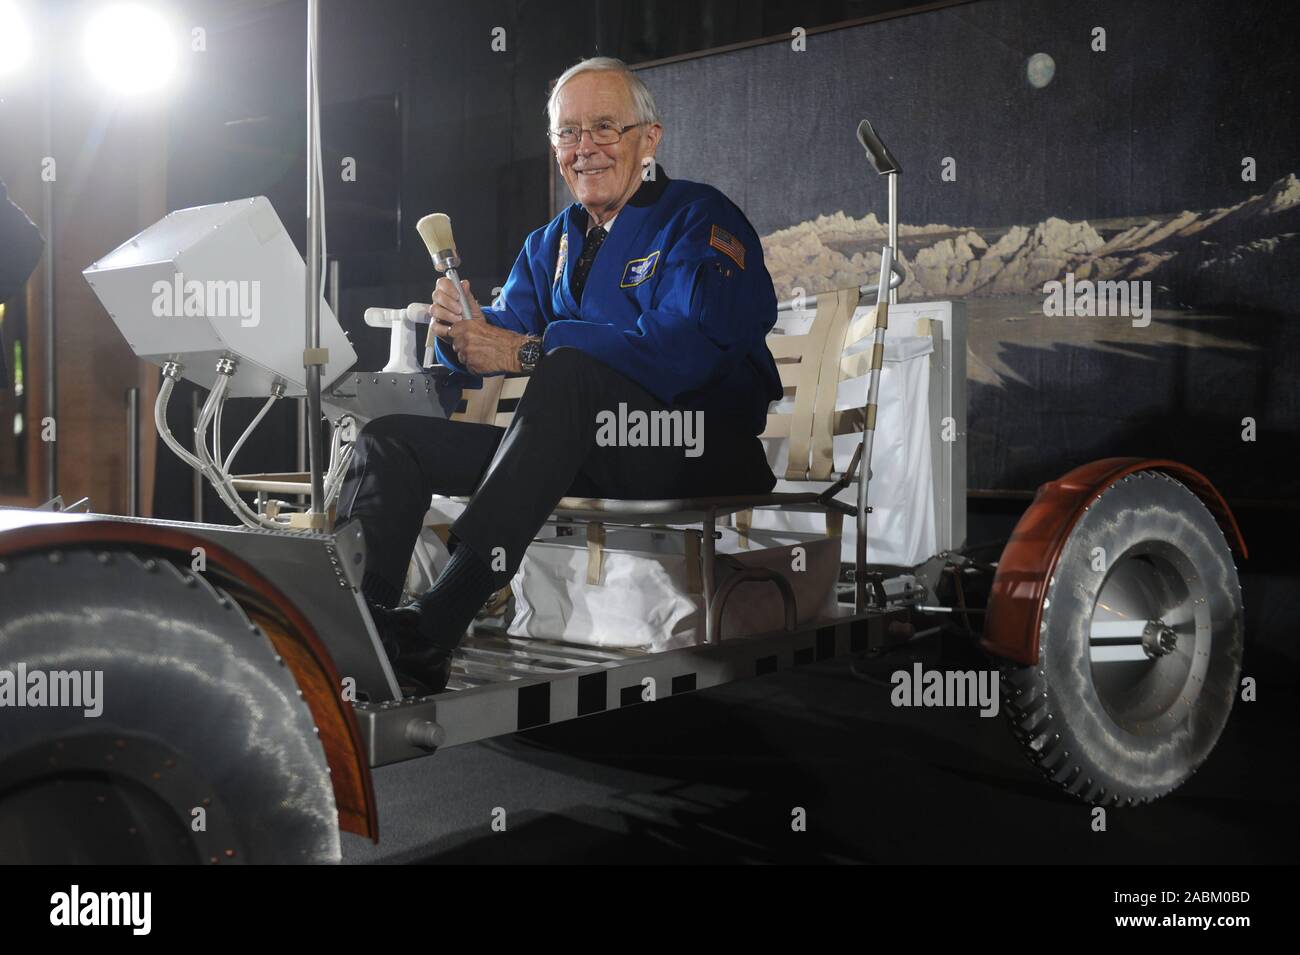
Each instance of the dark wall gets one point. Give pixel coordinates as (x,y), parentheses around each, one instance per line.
(472,135)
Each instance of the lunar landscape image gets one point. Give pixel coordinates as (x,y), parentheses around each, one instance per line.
(1220,279)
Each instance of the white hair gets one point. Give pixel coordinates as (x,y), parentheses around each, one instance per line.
(643,101)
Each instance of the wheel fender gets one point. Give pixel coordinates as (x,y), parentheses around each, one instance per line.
(289,630)
(1015,606)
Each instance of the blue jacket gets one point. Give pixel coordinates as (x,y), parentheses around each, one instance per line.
(678,299)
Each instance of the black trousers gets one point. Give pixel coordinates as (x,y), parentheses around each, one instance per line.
(517,475)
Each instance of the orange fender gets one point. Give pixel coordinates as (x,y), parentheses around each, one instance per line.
(289,631)
(1015,607)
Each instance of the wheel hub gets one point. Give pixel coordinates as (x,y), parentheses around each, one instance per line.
(1150,638)
(1158,638)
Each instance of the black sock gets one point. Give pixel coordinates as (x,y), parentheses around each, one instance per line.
(456,596)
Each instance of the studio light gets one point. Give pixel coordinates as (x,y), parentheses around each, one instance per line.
(15,41)
(130,48)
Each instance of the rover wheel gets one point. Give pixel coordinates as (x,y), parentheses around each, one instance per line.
(186,739)
(1140,647)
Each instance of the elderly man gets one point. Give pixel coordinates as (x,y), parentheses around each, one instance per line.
(647,294)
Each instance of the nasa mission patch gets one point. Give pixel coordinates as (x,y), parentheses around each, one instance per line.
(638,270)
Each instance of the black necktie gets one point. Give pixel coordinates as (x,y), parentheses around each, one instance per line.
(589,248)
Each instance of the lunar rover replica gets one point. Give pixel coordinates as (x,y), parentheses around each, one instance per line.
(246,696)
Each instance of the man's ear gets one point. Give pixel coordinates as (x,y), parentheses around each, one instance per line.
(653,136)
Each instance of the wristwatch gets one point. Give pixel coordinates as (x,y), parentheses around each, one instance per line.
(529,354)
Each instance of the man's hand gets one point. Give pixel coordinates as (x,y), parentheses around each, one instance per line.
(479,345)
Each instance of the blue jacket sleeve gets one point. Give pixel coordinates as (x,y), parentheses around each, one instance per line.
(708,311)
(518,308)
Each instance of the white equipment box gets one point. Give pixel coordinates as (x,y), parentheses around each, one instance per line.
(216,281)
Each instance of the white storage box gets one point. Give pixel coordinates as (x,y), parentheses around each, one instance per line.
(644,588)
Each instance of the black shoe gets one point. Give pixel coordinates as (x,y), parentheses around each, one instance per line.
(419,665)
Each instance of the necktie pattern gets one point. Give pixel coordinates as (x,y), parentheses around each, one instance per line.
(583,266)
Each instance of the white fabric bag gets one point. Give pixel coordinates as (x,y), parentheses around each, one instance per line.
(902,529)
(648,591)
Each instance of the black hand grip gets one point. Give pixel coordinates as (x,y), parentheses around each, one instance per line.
(880,157)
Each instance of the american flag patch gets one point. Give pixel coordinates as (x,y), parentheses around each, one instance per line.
(728,245)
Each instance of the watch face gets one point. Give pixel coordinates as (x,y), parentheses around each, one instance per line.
(530,352)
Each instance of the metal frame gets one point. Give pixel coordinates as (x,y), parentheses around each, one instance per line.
(503,684)
(316,454)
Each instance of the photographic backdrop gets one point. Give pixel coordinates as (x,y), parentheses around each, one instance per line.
(1147,143)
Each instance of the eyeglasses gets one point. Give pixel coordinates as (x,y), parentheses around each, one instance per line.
(603,133)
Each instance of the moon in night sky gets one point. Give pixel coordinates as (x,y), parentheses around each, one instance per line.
(1040,70)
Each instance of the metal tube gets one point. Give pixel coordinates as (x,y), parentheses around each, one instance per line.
(868,439)
(893,227)
(300,460)
(51,233)
(706,573)
(160,420)
(315,450)
(133,452)
(197,476)
(452,262)
(276,393)
(211,470)
(809,302)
